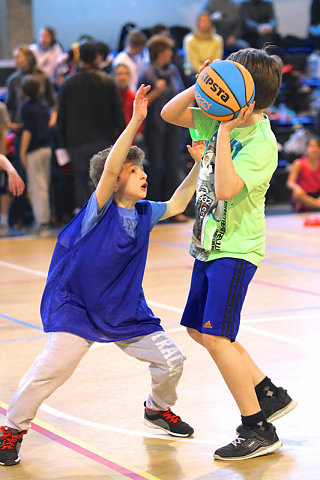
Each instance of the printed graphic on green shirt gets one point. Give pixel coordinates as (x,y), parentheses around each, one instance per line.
(207,204)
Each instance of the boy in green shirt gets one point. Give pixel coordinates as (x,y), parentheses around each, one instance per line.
(228,244)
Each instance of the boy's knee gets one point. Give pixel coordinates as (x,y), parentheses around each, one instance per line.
(214,343)
(195,335)
(175,365)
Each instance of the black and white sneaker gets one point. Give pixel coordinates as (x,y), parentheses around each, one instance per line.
(275,406)
(166,420)
(252,442)
(10,443)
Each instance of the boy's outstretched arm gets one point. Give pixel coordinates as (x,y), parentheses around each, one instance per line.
(177,110)
(16,184)
(184,193)
(118,154)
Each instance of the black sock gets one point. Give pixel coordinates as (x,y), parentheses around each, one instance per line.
(256,419)
(266,389)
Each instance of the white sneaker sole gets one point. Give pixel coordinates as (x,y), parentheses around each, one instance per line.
(283,411)
(152,425)
(257,453)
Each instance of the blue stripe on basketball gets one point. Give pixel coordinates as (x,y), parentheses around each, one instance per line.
(209,105)
(233,78)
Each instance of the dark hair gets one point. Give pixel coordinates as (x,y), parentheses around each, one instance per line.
(136,38)
(31,59)
(158,44)
(159,29)
(315,138)
(103,49)
(87,52)
(266,71)
(97,162)
(31,86)
(52,34)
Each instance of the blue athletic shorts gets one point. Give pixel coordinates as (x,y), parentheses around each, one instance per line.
(217,292)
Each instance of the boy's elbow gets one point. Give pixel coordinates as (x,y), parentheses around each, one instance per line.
(163,114)
(223,194)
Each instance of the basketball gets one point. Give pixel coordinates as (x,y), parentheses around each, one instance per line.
(223,88)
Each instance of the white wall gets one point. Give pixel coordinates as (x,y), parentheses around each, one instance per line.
(103,19)
(293,16)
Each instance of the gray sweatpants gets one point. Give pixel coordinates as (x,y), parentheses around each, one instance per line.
(38,179)
(63,353)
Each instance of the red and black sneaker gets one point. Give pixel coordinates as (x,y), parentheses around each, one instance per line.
(10,443)
(166,420)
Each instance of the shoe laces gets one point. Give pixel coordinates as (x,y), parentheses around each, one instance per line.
(169,415)
(8,440)
(238,441)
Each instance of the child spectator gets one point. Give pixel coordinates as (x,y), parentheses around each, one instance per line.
(132,56)
(48,53)
(304,179)
(122,76)
(35,152)
(94,290)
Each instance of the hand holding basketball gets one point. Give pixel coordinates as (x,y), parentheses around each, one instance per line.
(243,116)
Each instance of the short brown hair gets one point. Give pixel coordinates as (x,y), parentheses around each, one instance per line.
(266,71)
(137,39)
(135,155)
(157,44)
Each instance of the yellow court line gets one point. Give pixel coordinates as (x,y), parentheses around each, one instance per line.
(70,441)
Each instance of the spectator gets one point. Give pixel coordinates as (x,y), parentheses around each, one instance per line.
(177,58)
(35,152)
(26,65)
(121,75)
(304,179)
(259,22)
(202,44)
(89,117)
(48,52)
(104,57)
(225,16)
(163,141)
(132,56)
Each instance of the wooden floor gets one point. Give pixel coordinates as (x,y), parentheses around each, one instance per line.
(91,428)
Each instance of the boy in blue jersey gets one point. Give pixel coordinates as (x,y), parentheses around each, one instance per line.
(94,289)
(228,244)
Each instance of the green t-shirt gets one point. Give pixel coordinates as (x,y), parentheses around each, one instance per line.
(235,227)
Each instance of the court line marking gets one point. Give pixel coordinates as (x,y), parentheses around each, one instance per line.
(179,310)
(84,449)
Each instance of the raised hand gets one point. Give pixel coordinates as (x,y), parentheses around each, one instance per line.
(243,116)
(197,149)
(140,104)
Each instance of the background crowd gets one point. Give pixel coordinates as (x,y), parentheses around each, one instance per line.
(62,105)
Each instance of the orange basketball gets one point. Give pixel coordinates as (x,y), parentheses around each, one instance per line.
(223,89)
